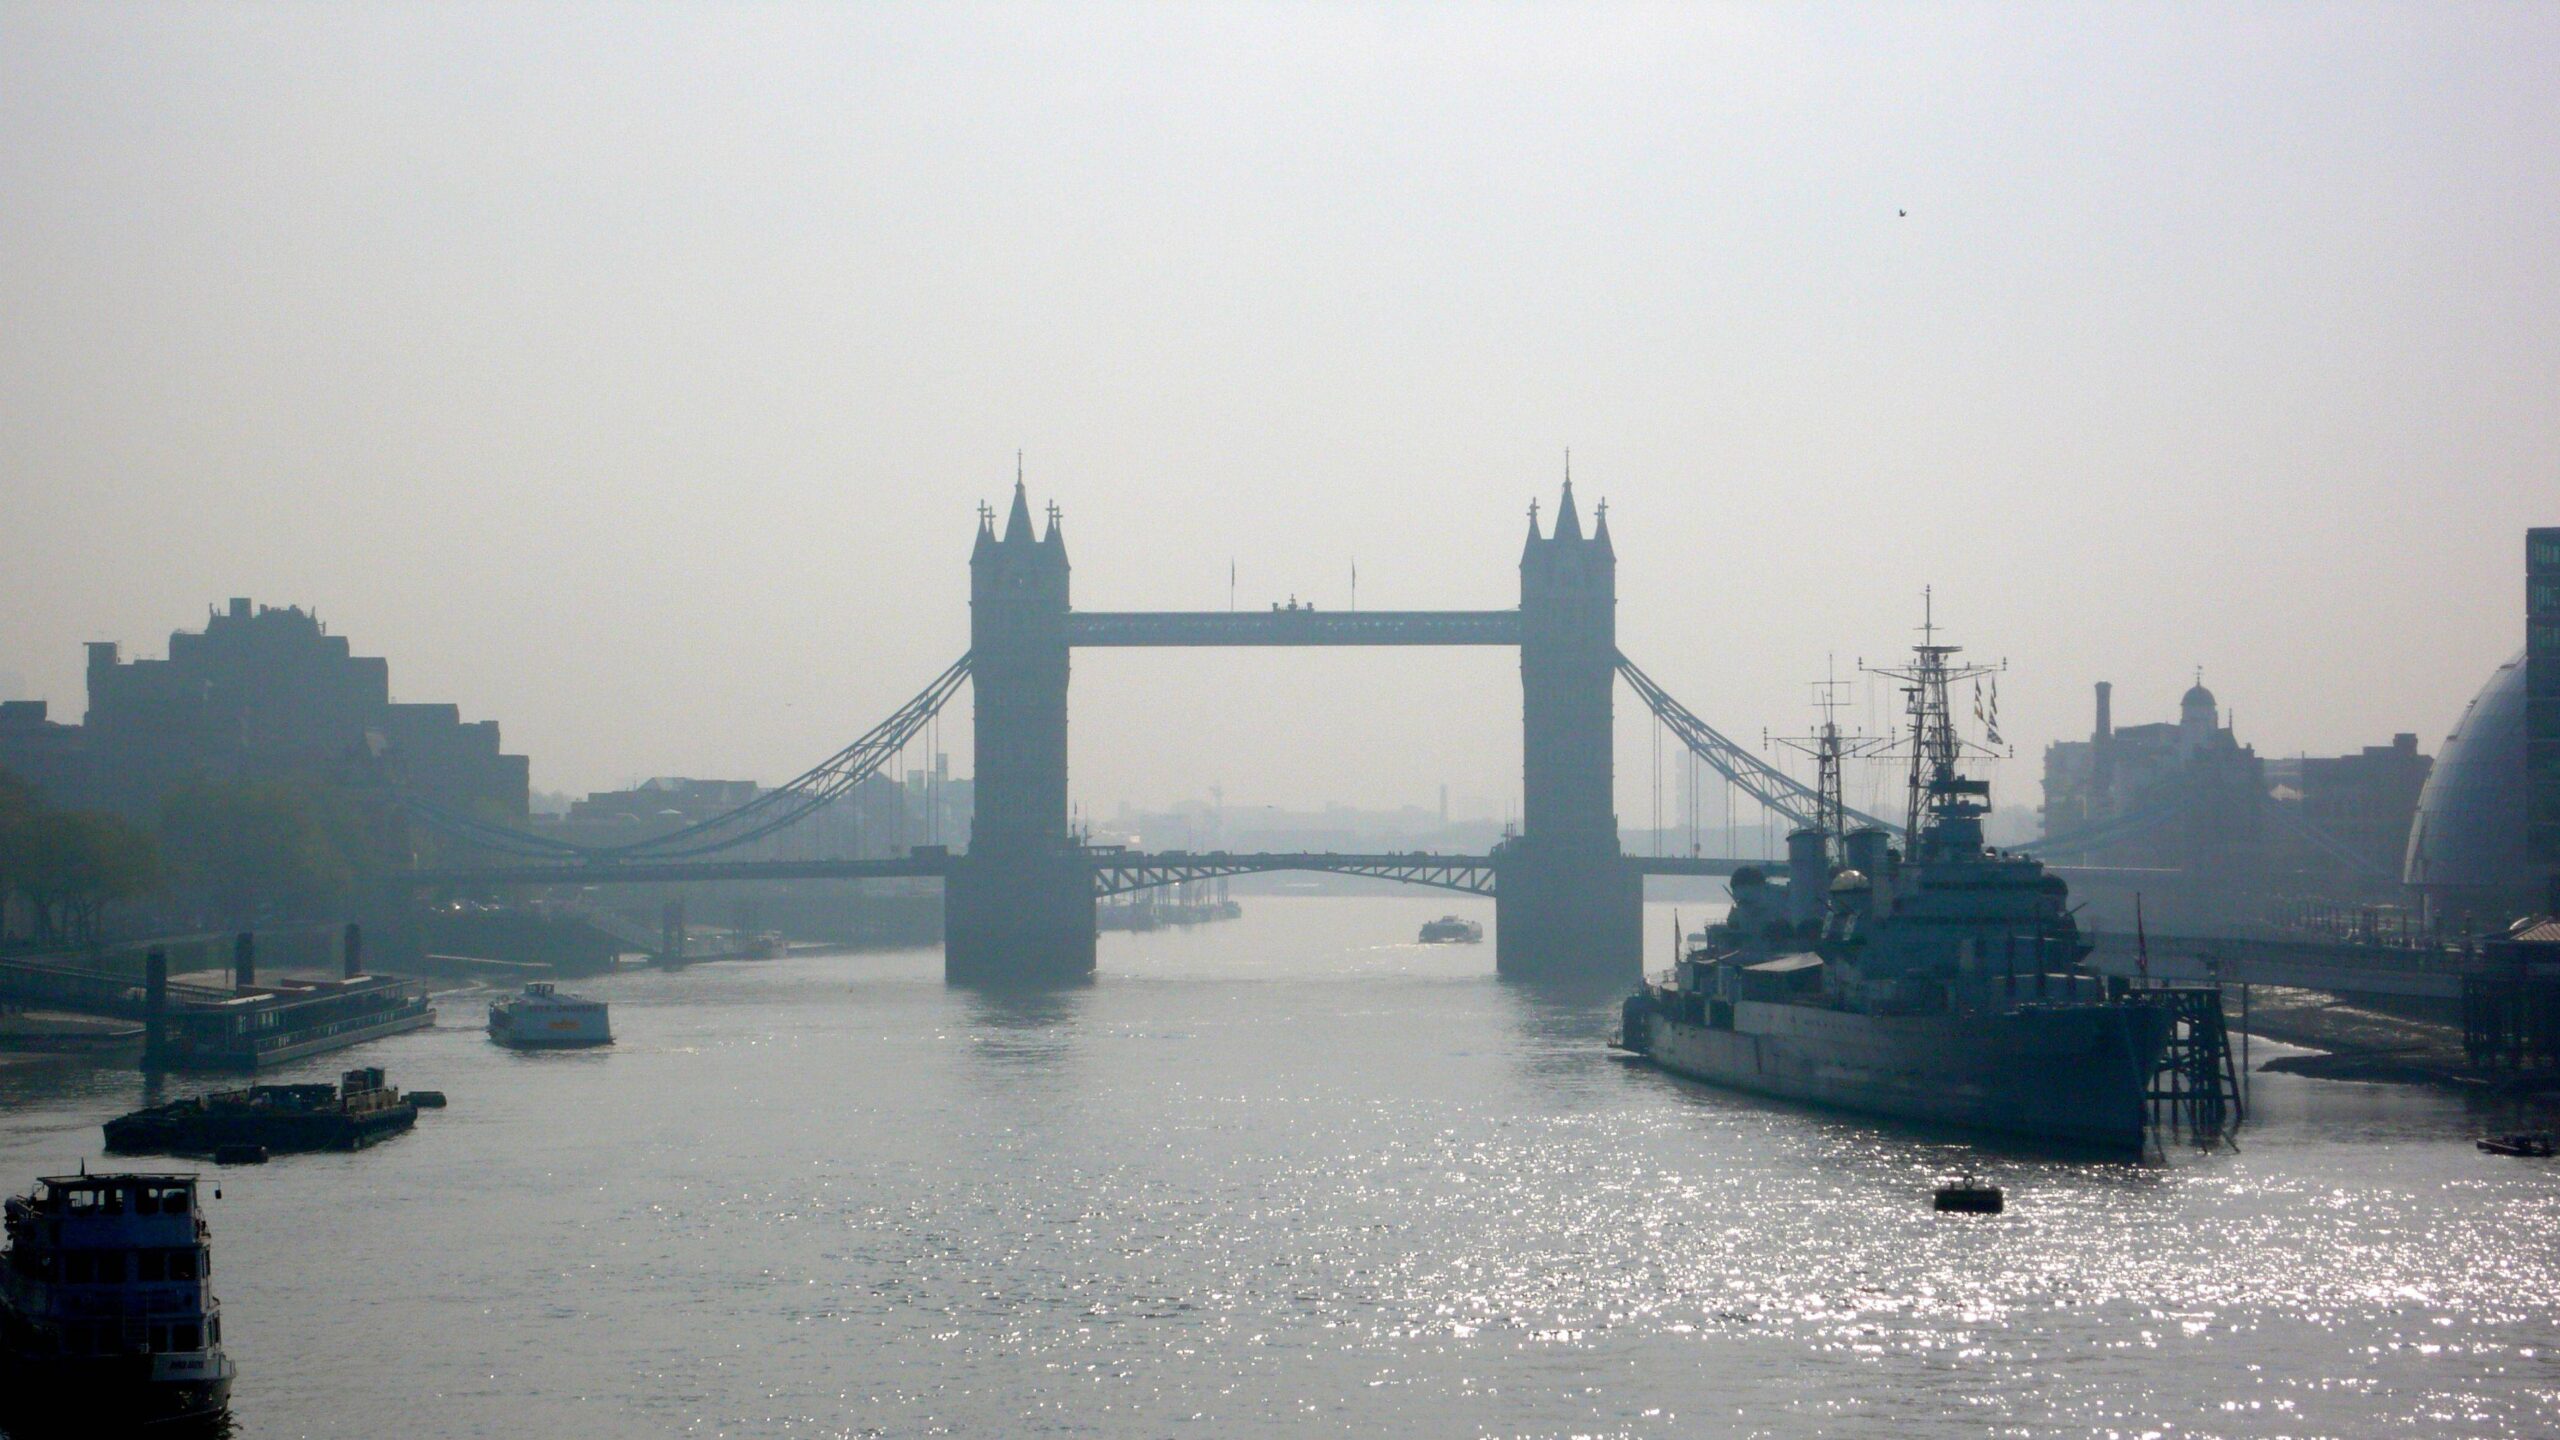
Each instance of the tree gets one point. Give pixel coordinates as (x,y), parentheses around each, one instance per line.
(75,863)
(18,807)
(253,846)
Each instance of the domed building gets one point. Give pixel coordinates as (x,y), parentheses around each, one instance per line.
(2467,847)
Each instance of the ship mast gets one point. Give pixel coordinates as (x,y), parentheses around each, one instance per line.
(1829,747)
(1934,746)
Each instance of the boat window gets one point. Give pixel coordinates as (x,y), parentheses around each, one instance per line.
(187,1337)
(151,1265)
(160,1338)
(174,1201)
(182,1264)
(79,1267)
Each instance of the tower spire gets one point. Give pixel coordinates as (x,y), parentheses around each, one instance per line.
(1017,521)
(1568,519)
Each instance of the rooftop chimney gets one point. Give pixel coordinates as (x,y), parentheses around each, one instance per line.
(2106,710)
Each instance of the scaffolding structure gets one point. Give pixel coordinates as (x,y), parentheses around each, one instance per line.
(2195,1084)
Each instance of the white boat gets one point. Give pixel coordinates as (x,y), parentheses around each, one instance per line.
(544,1019)
(1450,930)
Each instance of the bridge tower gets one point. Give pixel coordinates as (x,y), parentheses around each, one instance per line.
(1018,907)
(1569,905)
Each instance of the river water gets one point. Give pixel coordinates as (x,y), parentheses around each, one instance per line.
(1294,1174)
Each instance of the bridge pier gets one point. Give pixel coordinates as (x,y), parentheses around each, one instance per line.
(1023,919)
(1567,917)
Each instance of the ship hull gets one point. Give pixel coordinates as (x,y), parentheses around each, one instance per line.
(155,1133)
(2070,1075)
(514,1041)
(108,1395)
(575,1031)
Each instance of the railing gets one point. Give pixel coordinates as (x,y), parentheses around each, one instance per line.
(1472,874)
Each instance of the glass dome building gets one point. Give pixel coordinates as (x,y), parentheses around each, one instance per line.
(2466,849)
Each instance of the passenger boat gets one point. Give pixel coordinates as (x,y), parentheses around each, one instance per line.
(351,1115)
(108,1324)
(286,1020)
(544,1019)
(2531,1144)
(1450,930)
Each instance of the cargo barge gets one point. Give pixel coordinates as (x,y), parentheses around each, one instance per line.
(359,1111)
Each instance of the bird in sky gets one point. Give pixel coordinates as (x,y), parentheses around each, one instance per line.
(1903,213)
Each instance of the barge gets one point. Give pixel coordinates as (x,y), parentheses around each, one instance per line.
(356,1113)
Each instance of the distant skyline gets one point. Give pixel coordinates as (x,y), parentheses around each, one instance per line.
(631,376)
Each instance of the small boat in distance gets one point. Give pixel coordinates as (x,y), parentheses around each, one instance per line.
(2531,1144)
(1450,930)
(544,1019)
(1969,1196)
(107,1322)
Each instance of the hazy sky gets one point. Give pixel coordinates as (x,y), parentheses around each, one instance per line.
(631,375)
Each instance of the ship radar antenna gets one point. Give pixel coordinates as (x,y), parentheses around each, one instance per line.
(1829,747)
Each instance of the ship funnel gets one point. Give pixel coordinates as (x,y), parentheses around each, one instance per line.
(244,961)
(1808,875)
(355,950)
(1866,852)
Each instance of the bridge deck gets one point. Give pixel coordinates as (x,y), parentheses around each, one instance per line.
(1293,627)
(1115,871)
(2307,965)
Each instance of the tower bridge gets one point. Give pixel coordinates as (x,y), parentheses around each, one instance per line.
(1019,903)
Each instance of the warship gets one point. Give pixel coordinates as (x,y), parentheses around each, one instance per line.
(1937,980)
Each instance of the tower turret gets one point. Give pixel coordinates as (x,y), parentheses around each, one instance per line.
(1568,901)
(1018,600)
